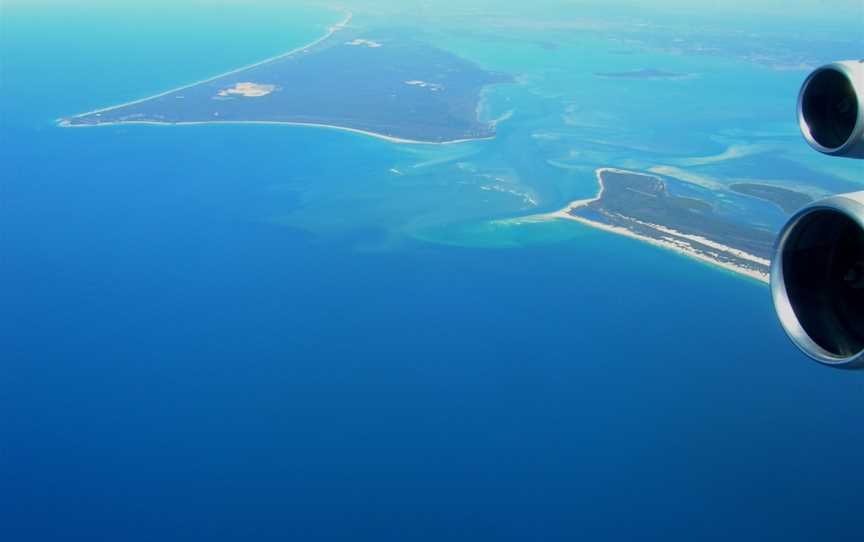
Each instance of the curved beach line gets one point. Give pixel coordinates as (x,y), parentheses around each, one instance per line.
(64,122)
(680,247)
(391,139)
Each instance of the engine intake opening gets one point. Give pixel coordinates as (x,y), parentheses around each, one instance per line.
(823,271)
(829,108)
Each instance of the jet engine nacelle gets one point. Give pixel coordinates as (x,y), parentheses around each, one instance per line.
(831,109)
(817,280)
(817,274)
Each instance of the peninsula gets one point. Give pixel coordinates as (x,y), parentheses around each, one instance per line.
(379,82)
(639,205)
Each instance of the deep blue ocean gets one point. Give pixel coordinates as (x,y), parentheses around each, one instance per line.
(176,364)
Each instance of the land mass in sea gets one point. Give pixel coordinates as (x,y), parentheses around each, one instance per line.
(787,200)
(375,81)
(639,205)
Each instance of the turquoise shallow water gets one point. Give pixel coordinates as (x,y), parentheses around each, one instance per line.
(234,332)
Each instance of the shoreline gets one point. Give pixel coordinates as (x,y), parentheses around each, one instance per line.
(64,123)
(680,247)
(331,30)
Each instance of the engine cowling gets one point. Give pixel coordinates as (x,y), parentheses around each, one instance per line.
(831,109)
(817,280)
(817,274)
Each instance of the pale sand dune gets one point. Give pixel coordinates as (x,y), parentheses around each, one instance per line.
(249,90)
(367,43)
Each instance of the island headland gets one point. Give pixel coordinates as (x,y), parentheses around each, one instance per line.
(378,82)
(639,205)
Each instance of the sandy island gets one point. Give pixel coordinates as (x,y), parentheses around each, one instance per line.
(64,122)
(667,238)
(255,90)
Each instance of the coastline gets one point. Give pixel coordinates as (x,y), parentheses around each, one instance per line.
(331,30)
(679,247)
(64,123)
